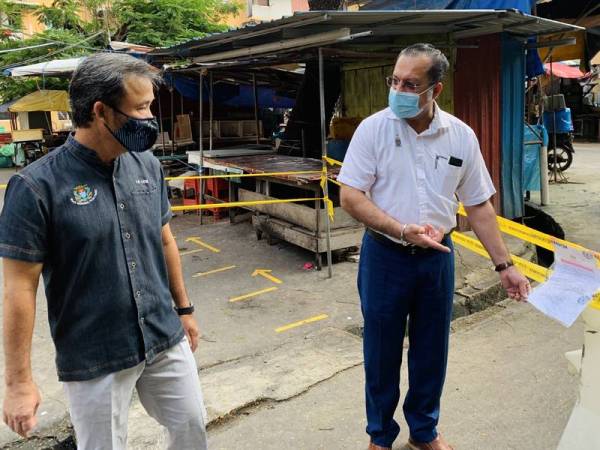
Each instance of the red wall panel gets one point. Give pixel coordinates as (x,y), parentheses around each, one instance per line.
(477,99)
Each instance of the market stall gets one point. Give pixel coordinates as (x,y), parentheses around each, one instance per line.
(344,57)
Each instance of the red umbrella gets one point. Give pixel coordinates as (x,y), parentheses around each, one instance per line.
(563,71)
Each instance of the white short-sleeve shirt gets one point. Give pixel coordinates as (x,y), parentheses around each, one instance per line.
(415,178)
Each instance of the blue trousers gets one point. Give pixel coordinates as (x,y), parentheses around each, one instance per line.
(394,287)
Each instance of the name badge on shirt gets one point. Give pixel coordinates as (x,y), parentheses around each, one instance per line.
(453,161)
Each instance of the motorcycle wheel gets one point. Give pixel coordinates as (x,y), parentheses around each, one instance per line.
(564,158)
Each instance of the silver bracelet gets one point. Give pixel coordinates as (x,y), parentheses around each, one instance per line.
(402,232)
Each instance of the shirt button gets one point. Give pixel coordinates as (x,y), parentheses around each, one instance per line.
(142,319)
(133,264)
(122,205)
(127,236)
(138,293)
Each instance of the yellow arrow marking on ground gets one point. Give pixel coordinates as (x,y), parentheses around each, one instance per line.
(252,294)
(189,252)
(210,272)
(267,274)
(301,322)
(196,240)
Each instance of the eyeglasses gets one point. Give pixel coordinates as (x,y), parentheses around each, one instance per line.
(394,82)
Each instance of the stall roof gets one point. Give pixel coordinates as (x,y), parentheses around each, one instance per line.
(43,100)
(320,28)
(56,67)
(563,71)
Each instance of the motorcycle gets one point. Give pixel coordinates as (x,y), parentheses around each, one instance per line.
(561,157)
(564,152)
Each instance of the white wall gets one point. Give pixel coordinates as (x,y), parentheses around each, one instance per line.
(276,10)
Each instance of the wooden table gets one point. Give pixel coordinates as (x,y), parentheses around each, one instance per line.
(296,223)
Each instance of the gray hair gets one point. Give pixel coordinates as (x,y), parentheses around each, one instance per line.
(100,77)
(439,62)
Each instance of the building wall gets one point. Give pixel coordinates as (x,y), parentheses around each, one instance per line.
(265,10)
(477,100)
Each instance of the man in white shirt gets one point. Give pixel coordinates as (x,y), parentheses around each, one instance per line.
(402,172)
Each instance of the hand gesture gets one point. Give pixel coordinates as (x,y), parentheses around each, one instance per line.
(425,236)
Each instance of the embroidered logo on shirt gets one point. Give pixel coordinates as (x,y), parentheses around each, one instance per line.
(83,195)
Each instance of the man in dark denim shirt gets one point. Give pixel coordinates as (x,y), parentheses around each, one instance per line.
(93,217)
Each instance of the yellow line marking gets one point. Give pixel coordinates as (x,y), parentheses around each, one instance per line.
(196,240)
(210,272)
(252,294)
(267,274)
(301,322)
(189,252)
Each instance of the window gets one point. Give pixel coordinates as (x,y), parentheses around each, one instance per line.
(261,2)
(4,116)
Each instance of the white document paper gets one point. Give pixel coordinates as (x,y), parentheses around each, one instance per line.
(574,281)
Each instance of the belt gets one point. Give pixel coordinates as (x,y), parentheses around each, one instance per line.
(410,249)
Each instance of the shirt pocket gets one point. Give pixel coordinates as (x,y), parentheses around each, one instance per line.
(450,179)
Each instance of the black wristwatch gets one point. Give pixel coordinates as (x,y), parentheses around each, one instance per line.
(185,311)
(503,266)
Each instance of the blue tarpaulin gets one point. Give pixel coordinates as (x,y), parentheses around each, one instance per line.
(513,111)
(228,94)
(531,156)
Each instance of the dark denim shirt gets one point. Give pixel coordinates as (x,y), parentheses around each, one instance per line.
(97,230)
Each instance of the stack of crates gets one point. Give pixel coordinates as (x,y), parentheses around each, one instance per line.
(217,188)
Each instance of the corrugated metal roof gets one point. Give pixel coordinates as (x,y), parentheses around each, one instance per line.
(381,24)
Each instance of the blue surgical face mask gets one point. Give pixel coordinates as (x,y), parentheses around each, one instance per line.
(136,135)
(405,105)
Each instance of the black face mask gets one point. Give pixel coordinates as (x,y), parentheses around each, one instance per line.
(136,135)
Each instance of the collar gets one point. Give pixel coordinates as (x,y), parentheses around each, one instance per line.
(87,154)
(439,121)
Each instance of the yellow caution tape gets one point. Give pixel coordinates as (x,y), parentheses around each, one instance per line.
(331,161)
(242,204)
(529,269)
(530,235)
(244,175)
(330,210)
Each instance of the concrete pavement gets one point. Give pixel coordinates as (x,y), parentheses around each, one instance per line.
(302,388)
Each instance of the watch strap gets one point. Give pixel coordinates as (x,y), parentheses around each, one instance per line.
(503,266)
(185,310)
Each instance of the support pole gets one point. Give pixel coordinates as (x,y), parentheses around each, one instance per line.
(555,162)
(172,121)
(544,190)
(254,89)
(324,154)
(201,141)
(160,123)
(210,112)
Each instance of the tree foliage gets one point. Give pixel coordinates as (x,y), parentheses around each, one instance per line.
(70,22)
(167,22)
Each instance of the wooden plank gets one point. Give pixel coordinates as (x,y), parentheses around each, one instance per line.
(280,229)
(301,215)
